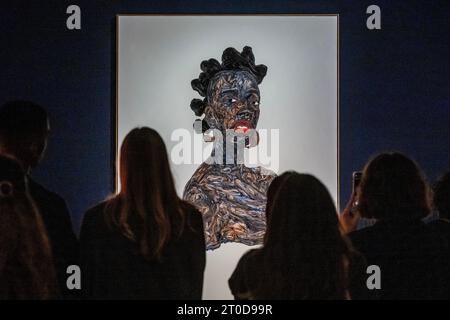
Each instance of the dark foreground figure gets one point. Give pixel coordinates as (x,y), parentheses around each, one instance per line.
(145,242)
(24,130)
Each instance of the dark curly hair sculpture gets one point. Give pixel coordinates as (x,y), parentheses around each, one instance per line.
(231,60)
(230,195)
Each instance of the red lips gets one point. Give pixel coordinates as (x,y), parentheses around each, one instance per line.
(242,126)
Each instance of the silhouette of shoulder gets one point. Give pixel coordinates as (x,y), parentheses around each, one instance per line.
(245,277)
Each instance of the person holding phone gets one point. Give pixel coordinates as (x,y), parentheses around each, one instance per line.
(410,257)
(350,217)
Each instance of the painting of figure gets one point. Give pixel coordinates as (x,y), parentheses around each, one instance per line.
(230,195)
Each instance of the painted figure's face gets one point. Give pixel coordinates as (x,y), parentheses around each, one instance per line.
(233,101)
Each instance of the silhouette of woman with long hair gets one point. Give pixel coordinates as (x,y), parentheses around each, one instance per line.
(305,255)
(26,263)
(144,242)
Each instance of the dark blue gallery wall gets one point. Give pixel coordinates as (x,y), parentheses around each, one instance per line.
(394,82)
(395,86)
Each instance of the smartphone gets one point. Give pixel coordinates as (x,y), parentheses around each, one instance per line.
(356,179)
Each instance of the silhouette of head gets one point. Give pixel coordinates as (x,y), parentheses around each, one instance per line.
(393,188)
(299,205)
(24,129)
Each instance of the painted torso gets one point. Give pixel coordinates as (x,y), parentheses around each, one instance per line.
(232,199)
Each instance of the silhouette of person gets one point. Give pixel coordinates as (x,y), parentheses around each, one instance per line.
(24,131)
(26,265)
